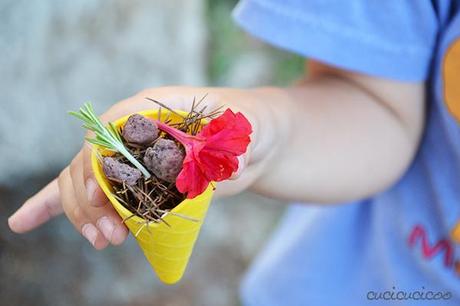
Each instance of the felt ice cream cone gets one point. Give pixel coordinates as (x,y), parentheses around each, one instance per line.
(166,245)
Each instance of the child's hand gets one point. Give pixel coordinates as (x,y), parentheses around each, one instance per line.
(76,193)
(336,137)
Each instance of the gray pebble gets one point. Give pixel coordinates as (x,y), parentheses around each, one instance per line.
(164,159)
(140,130)
(118,171)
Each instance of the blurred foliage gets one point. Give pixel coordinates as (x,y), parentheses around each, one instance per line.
(228,42)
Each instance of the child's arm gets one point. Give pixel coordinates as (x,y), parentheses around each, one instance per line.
(346,136)
(335,137)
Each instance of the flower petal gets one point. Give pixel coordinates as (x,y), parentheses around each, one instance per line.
(191,180)
(228,132)
(217,165)
(211,155)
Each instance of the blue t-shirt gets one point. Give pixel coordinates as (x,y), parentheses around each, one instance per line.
(395,248)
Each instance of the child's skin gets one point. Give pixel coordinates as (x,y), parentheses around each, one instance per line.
(336,136)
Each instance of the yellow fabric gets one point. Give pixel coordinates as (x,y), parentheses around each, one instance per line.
(451,76)
(456,233)
(167,248)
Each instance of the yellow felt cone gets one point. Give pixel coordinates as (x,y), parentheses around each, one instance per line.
(167,248)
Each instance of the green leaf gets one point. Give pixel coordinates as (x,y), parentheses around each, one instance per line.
(106,137)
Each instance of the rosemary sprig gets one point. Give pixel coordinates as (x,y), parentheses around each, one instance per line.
(107,137)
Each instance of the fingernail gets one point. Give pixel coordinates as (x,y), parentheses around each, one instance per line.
(12,224)
(89,231)
(119,234)
(90,188)
(107,227)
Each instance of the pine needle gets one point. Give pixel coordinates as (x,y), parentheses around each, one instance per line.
(106,137)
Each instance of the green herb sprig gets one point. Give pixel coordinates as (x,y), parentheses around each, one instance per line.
(107,137)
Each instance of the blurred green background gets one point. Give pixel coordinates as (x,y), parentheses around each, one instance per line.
(230,47)
(57,55)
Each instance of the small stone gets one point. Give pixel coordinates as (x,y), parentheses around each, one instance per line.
(164,159)
(140,130)
(121,172)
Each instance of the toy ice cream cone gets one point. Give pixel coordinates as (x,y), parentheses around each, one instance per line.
(166,245)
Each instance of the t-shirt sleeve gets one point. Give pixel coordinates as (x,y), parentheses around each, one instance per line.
(392,39)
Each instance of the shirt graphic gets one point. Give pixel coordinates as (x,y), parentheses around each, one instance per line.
(451,75)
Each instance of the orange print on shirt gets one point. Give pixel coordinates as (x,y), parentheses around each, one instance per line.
(451,76)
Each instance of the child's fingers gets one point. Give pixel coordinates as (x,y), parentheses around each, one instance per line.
(104,216)
(75,213)
(244,180)
(94,194)
(108,222)
(37,210)
(242,161)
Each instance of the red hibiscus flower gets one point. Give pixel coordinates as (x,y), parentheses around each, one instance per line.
(211,155)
